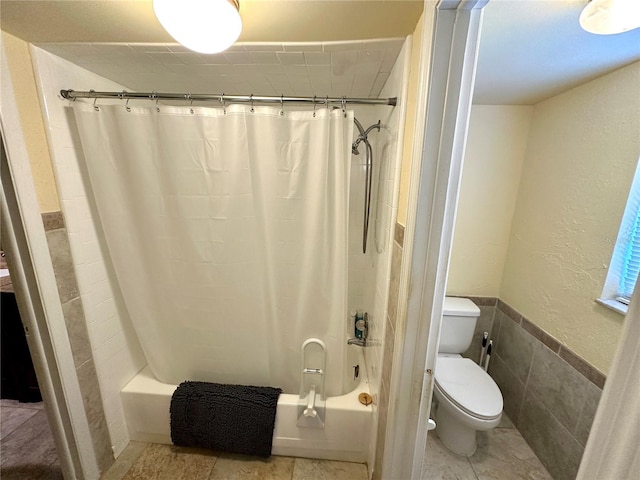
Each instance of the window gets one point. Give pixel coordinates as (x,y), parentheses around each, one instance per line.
(625,261)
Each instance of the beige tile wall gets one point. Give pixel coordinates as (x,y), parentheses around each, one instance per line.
(549,392)
(389,343)
(78,336)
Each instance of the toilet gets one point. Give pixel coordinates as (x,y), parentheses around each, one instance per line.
(466,396)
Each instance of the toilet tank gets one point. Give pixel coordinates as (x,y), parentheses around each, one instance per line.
(459,319)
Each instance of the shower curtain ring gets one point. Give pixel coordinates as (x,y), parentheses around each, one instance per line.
(281,105)
(343,102)
(126,104)
(154,96)
(96,107)
(224,107)
(188,97)
(251,100)
(314,106)
(326,101)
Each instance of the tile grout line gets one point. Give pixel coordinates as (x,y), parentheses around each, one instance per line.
(562,425)
(134,461)
(35,412)
(217,457)
(475,474)
(17,427)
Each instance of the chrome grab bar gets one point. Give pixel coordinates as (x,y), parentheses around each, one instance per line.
(313,371)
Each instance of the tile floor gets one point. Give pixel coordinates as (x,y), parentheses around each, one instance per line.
(27,449)
(148,461)
(27,452)
(502,455)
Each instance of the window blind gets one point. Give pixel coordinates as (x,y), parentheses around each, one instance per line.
(631,259)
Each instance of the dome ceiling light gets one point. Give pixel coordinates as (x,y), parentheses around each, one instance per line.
(205,26)
(607,17)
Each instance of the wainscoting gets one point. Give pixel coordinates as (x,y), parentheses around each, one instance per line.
(550,393)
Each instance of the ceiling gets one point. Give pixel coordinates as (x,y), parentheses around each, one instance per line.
(352,69)
(133,21)
(533,49)
(530,49)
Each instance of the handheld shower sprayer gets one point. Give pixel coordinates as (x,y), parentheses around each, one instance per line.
(369,173)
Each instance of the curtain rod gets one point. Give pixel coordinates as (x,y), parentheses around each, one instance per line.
(223,98)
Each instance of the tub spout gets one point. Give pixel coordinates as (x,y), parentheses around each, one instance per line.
(361,342)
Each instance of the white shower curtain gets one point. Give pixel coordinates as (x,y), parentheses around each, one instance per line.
(228,235)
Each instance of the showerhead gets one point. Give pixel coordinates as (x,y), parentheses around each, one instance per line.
(356,142)
(363,135)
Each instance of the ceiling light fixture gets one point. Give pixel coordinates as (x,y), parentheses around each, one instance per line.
(205,26)
(607,17)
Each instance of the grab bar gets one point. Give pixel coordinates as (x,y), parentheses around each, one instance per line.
(311,411)
(313,371)
(305,370)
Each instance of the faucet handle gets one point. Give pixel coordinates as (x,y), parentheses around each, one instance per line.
(361,326)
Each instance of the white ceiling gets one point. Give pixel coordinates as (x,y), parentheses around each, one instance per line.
(533,49)
(530,49)
(352,69)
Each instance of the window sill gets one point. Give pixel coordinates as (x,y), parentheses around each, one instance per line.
(614,305)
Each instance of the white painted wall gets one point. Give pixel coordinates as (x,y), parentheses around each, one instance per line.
(495,152)
(582,153)
(116,351)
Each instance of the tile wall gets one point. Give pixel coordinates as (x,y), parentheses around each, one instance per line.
(381,245)
(114,347)
(549,392)
(74,317)
(389,343)
(353,69)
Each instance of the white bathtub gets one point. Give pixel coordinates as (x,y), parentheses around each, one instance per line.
(345,435)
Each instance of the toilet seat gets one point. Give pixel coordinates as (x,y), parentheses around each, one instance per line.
(468,387)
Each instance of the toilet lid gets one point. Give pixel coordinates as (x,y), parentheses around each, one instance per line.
(469,387)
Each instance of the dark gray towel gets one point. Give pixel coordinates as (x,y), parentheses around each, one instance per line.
(229,418)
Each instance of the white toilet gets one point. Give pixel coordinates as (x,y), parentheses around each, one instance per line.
(467,397)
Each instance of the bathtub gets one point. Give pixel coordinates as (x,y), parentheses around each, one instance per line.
(345,436)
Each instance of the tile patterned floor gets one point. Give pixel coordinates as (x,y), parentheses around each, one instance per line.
(27,452)
(27,449)
(502,455)
(147,461)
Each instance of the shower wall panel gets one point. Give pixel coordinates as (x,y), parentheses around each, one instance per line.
(116,352)
(376,264)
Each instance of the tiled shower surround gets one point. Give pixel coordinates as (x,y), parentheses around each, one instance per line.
(116,350)
(549,392)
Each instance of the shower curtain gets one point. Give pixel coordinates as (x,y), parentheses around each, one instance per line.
(228,235)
